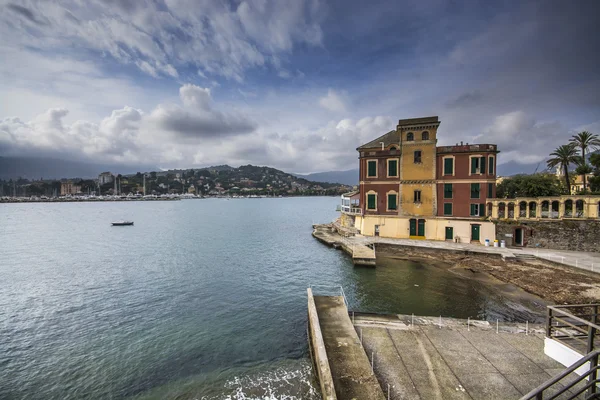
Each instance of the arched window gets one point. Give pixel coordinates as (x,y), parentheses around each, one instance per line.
(425,135)
(410,137)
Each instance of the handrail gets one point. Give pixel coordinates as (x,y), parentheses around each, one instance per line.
(572,328)
(342,293)
(591,387)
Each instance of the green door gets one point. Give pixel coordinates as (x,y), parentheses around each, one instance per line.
(421,228)
(413,227)
(475,232)
(449,233)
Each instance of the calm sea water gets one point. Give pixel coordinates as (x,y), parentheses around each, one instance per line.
(201,299)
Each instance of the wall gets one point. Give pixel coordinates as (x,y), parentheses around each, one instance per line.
(558,235)
(435,228)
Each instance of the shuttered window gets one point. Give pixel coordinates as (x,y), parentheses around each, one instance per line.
(448,166)
(372,168)
(392,168)
(482,165)
(491,166)
(447,208)
(392,200)
(447,190)
(371,201)
(490,193)
(474,210)
(474,190)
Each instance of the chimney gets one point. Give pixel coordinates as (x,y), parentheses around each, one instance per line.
(461,143)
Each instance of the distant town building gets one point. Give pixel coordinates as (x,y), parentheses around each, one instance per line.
(69,188)
(105,177)
(191,189)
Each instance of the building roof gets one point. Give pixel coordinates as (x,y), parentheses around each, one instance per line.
(419,121)
(389,138)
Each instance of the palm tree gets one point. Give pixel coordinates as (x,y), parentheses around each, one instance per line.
(585,140)
(563,156)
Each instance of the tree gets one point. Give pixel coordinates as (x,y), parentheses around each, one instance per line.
(585,140)
(536,185)
(563,156)
(595,180)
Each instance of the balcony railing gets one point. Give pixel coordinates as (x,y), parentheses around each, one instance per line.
(354,210)
(575,326)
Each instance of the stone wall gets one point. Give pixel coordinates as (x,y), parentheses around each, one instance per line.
(558,235)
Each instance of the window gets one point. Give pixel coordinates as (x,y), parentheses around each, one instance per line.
(371,201)
(417,196)
(447,208)
(474,190)
(490,191)
(475,165)
(447,190)
(417,156)
(477,210)
(392,201)
(425,136)
(372,168)
(491,166)
(392,168)
(449,166)
(410,137)
(482,165)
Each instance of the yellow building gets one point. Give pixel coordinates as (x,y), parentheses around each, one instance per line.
(69,188)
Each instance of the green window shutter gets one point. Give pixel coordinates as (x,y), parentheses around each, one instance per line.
(391,201)
(447,208)
(482,163)
(490,193)
(447,190)
(474,165)
(372,168)
(491,167)
(482,210)
(371,202)
(473,209)
(448,166)
(474,190)
(393,168)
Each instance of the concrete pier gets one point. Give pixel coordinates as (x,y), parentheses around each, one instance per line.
(349,366)
(361,253)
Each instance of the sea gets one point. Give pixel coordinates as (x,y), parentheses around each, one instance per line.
(199,299)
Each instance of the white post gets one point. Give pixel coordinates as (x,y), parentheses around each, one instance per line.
(526,327)
(440,322)
(468,323)
(496,326)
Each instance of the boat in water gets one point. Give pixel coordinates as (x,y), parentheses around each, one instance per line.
(122,223)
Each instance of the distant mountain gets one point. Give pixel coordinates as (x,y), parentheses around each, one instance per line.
(50,168)
(349,177)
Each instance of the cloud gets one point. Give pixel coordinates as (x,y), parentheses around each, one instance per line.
(332,102)
(467,99)
(197,118)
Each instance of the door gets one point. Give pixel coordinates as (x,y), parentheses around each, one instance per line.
(449,233)
(376,230)
(475,232)
(413,227)
(421,228)
(519,236)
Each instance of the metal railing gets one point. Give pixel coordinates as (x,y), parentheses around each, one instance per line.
(563,386)
(339,289)
(575,326)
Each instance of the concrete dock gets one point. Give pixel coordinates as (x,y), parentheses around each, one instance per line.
(361,253)
(368,356)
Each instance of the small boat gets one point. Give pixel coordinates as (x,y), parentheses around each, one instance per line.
(122,223)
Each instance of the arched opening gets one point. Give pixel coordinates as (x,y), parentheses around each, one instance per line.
(523,209)
(532,209)
(501,210)
(579,204)
(489,209)
(393,150)
(410,137)
(555,209)
(569,208)
(545,209)
(511,210)
(425,136)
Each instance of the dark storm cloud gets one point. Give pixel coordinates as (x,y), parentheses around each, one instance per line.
(204,125)
(465,100)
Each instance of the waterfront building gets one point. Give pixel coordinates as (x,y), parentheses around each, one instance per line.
(105,177)
(69,188)
(411,188)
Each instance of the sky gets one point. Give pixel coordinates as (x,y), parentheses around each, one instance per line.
(296,85)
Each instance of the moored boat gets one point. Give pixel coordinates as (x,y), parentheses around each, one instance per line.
(122,223)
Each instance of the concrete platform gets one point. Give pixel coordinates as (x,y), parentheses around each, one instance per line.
(349,365)
(426,361)
(361,253)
